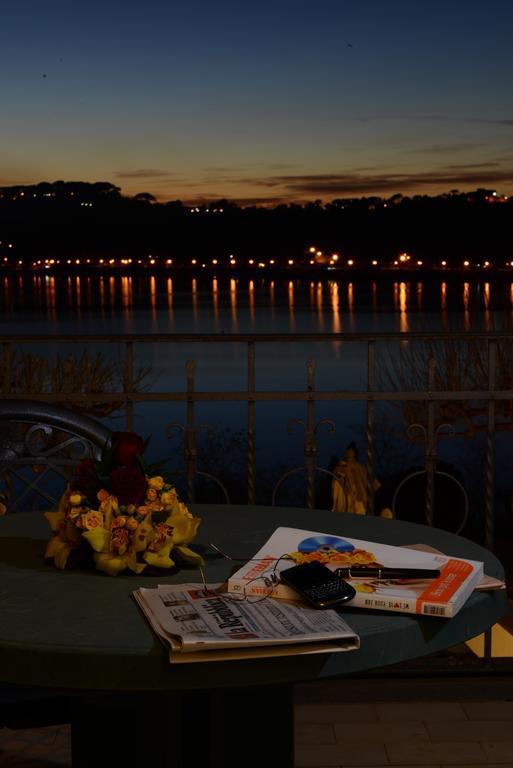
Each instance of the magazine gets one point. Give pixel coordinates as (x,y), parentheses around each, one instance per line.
(441,597)
(200,625)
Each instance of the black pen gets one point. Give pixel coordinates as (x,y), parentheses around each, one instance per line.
(368,572)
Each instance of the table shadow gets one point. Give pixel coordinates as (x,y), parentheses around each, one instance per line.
(24,553)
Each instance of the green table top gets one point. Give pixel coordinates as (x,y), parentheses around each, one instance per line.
(81,630)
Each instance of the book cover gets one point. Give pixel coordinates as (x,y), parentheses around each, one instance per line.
(440,597)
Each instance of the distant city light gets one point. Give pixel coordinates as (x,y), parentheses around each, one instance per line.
(419,263)
(444,263)
(466,263)
(290,262)
(312,250)
(350,262)
(374,263)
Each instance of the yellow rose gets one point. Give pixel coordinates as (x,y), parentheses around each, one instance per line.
(92,519)
(156,482)
(75,499)
(151,494)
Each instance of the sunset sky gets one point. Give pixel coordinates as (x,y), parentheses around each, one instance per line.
(258,102)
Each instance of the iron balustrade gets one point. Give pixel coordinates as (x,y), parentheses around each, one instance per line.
(130,396)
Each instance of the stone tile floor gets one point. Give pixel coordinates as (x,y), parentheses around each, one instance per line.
(333,733)
(428,734)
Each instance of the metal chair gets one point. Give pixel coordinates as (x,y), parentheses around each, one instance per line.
(40,444)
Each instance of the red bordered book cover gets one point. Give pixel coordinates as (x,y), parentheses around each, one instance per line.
(441,597)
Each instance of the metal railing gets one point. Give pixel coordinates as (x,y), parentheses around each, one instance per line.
(373,393)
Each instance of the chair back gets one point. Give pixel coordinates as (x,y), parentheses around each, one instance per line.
(40,446)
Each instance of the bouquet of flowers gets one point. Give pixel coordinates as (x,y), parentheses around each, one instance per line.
(124,512)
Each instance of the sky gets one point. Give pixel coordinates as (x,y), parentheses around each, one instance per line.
(259,103)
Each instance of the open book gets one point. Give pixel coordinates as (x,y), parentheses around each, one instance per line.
(442,596)
(203,626)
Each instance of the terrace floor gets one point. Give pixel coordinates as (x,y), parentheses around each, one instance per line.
(430,721)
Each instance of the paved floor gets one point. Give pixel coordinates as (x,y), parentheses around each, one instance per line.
(381,726)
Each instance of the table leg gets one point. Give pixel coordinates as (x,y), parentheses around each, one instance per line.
(214,729)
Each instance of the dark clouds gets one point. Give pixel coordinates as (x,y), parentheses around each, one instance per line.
(143,173)
(328,186)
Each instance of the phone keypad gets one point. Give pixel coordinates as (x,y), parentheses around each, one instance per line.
(325,591)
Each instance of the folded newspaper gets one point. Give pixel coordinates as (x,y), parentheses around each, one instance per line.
(199,625)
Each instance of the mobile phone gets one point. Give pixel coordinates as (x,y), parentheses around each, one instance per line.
(318,585)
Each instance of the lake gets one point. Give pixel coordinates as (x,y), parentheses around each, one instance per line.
(44,303)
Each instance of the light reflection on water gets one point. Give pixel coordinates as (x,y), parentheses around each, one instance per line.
(162,304)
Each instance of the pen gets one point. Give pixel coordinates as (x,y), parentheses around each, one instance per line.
(368,572)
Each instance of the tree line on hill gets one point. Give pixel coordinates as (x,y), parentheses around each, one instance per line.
(95,219)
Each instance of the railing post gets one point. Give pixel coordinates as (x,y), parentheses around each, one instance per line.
(191,453)
(128,384)
(310,444)
(7,372)
(490,446)
(251,423)
(369,434)
(430,452)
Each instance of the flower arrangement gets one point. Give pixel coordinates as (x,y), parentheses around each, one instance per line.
(124,512)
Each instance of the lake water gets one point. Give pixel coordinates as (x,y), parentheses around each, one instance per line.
(82,304)
(158,303)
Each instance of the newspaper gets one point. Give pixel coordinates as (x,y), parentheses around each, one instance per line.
(199,625)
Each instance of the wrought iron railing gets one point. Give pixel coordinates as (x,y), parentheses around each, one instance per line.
(310,395)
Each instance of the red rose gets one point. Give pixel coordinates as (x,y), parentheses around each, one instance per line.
(85,479)
(128,484)
(125,447)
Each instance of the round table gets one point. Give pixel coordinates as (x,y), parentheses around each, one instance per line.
(82,632)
